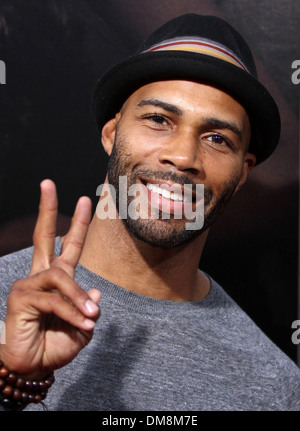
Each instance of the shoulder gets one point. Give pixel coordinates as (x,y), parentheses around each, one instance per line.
(16,265)
(237,326)
(13,267)
(254,354)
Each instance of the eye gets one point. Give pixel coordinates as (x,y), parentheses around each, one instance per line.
(157,119)
(218,140)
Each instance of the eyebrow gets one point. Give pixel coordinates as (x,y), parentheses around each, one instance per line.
(220,124)
(161,104)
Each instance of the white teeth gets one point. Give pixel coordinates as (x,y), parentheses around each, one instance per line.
(175,196)
(166,194)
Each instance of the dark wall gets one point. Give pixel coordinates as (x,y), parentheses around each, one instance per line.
(54,51)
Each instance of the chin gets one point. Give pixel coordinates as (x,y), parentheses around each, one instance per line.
(161,233)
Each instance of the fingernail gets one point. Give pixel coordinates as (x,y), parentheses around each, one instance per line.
(89,324)
(91,306)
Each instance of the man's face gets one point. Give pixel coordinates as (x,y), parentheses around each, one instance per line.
(176,133)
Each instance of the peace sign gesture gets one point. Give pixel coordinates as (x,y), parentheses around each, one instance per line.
(49,317)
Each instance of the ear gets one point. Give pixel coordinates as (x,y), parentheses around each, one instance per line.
(249,163)
(108,134)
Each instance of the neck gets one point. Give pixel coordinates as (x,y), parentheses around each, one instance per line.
(170,274)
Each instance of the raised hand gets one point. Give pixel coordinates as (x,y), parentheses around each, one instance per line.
(49,317)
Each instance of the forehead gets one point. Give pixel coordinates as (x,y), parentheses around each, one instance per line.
(191,98)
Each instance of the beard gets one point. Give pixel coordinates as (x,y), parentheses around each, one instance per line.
(162,232)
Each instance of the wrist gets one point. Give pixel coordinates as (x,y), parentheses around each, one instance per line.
(19,390)
(18,367)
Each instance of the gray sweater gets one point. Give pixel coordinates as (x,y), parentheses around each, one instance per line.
(149,354)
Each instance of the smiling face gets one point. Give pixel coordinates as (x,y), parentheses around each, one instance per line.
(176,133)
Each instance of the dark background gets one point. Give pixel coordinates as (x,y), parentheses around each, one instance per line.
(54,51)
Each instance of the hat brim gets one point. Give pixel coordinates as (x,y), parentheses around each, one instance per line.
(118,83)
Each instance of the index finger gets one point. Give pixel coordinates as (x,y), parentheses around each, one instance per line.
(45,228)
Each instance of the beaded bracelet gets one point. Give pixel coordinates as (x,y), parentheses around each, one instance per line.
(18,392)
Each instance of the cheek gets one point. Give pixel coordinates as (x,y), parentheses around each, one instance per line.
(218,177)
(143,145)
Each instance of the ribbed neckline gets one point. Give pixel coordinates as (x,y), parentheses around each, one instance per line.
(133,300)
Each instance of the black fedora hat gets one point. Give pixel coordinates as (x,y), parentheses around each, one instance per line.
(198,48)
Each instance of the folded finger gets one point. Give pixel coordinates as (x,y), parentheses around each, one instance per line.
(34,303)
(57,280)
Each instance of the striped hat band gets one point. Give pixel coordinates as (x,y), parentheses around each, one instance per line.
(200,46)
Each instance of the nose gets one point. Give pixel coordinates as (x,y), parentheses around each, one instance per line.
(182,151)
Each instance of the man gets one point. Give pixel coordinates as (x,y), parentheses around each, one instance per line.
(185,111)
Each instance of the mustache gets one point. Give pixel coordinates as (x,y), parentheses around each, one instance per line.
(165,176)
